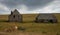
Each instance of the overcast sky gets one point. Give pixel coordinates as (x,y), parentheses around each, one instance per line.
(30,6)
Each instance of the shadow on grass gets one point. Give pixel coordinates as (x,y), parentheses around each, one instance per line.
(27,22)
(18,22)
(4,21)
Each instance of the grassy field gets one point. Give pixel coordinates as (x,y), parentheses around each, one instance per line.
(31,26)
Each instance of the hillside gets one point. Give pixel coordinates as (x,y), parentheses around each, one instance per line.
(31,26)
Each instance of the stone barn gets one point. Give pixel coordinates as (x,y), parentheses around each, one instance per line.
(46,18)
(15,16)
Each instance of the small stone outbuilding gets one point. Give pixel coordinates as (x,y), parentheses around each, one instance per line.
(46,18)
(15,16)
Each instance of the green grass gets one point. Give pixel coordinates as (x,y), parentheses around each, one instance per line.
(30,25)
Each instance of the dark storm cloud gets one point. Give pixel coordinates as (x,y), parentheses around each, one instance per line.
(11,3)
(31,4)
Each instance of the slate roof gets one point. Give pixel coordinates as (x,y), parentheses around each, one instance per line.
(15,12)
(46,16)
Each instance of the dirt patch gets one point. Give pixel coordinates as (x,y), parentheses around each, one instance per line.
(27,33)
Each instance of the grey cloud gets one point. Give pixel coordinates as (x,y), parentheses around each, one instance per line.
(11,3)
(31,4)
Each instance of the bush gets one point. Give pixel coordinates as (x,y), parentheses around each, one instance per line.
(21,28)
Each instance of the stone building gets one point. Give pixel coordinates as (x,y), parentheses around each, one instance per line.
(46,18)
(15,16)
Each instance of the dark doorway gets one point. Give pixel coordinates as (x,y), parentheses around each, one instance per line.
(51,21)
(14,16)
